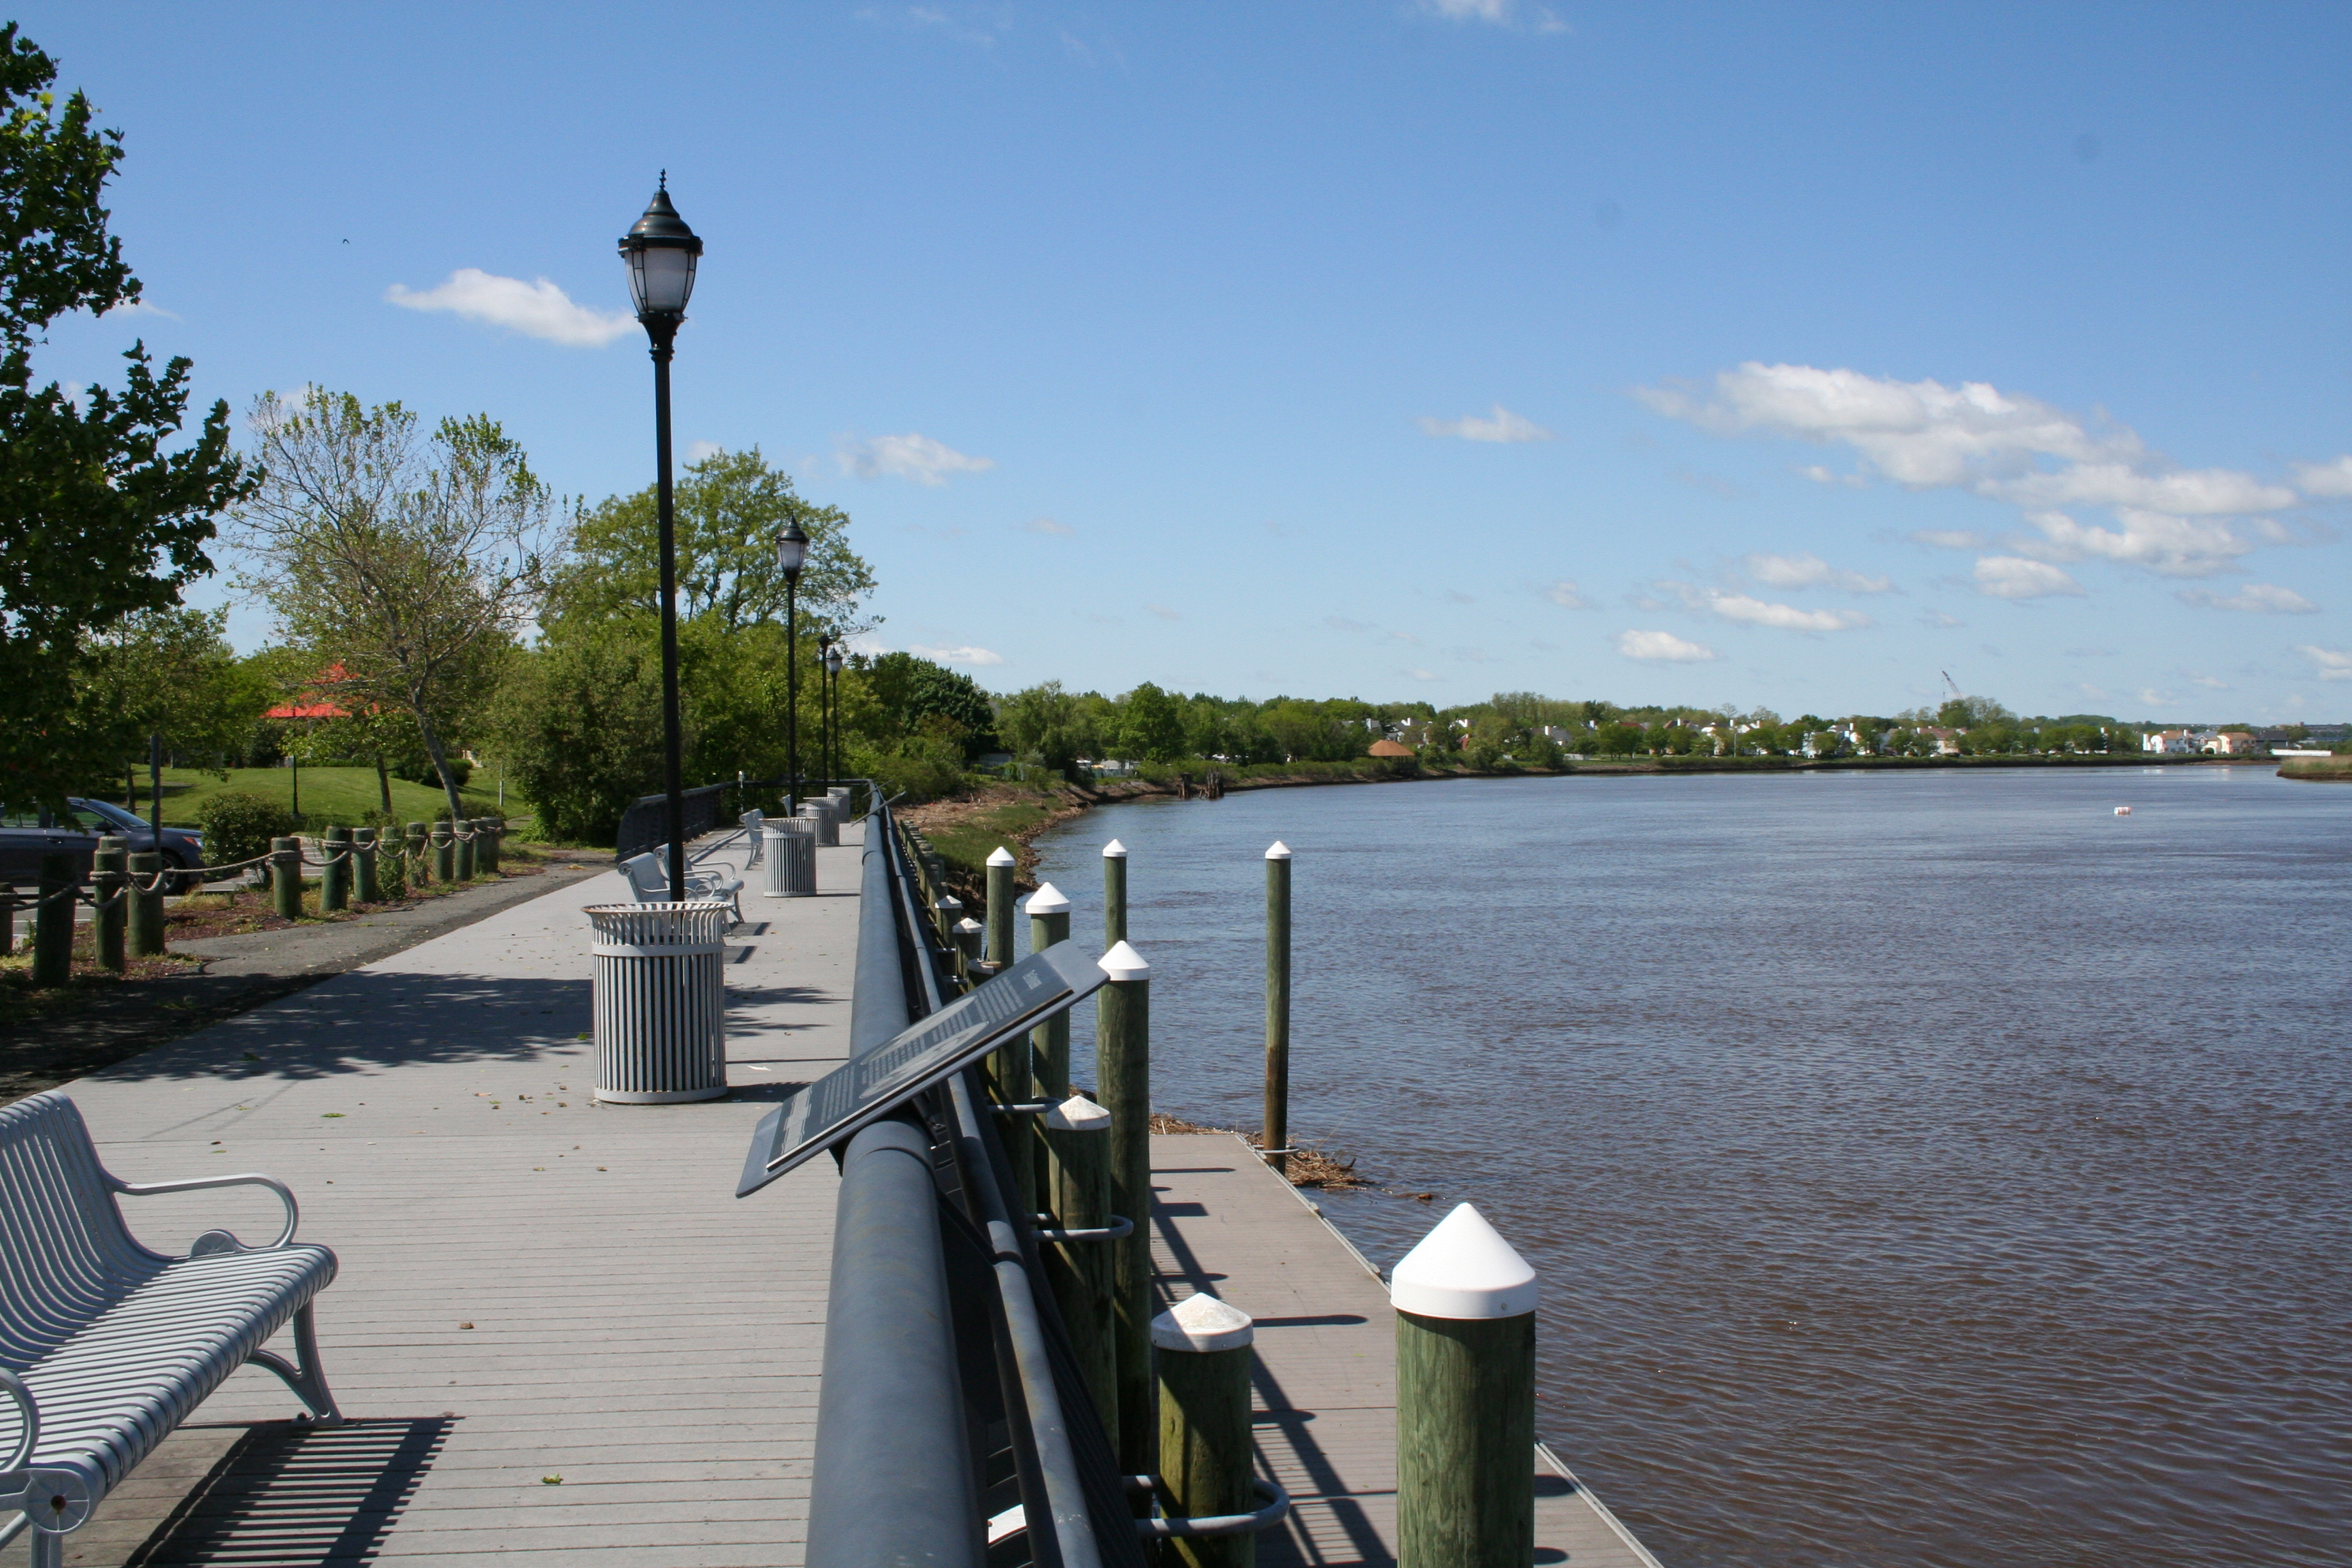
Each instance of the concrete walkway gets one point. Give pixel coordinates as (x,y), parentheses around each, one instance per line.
(561,1339)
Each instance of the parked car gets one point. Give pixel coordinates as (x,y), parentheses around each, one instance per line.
(26,837)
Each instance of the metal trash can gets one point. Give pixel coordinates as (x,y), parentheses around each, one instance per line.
(660,1002)
(843,812)
(791,858)
(828,826)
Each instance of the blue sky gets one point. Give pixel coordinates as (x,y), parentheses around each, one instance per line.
(1773,355)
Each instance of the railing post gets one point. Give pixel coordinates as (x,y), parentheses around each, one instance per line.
(1049,1042)
(1205,1426)
(1123,1066)
(416,869)
(1278,1004)
(947,913)
(967,942)
(363,864)
(1000,907)
(335,876)
(286,877)
(147,906)
(1114,893)
(53,922)
(1079,1132)
(445,856)
(112,917)
(1465,1377)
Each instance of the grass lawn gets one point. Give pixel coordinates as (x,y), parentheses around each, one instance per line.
(328,794)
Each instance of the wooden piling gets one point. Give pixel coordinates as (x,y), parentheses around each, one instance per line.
(53,922)
(461,833)
(286,877)
(1049,1042)
(1205,1454)
(417,868)
(1123,1068)
(1084,1273)
(1465,1373)
(1277,1005)
(445,852)
(1114,893)
(112,918)
(491,831)
(335,876)
(363,864)
(146,907)
(947,912)
(1000,907)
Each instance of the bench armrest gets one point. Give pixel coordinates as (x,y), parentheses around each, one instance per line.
(197,1183)
(14,1387)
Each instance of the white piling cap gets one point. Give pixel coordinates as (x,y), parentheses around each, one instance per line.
(1000,856)
(1202,1322)
(949,901)
(1123,963)
(968,923)
(1078,1114)
(1048,900)
(1280,851)
(1463,1268)
(1114,850)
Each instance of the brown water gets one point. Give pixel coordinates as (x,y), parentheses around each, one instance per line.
(1923,1168)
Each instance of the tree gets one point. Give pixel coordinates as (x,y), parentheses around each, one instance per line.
(579,725)
(96,521)
(1152,728)
(918,697)
(1042,722)
(168,671)
(412,562)
(727,510)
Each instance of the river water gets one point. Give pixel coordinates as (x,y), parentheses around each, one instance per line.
(1922,1167)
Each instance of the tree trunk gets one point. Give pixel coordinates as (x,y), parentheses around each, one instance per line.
(440,756)
(384,782)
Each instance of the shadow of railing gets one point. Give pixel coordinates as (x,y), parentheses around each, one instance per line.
(290,1495)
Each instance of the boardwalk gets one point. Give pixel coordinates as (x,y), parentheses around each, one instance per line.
(1326,1379)
(532,1287)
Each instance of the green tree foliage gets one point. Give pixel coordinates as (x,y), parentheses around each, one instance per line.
(98,521)
(171,672)
(728,509)
(914,696)
(409,561)
(1151,726)
(579,726)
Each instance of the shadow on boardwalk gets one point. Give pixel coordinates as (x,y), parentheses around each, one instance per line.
(288,1494)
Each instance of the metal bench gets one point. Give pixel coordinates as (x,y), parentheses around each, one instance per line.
(105,1347)
(751,822)
(650,883)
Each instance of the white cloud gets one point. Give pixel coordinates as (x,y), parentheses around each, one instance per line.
(1048,525)
(2257,598)
(536,309)
(1661,646)
(141,308)
(1422,674)
(2209,682)
(1497,13)
(2332,663)
(698,450)
(1564,594)
(1824,476)
(1938,619)
(1810,570)
(909,456)
(973,656)
(2014,577)
(2326,480)
(1755,612)
(1164,613)
(1500,425)
(1947,538)
(2004,446)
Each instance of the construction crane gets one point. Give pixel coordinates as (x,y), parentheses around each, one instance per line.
(1957,695)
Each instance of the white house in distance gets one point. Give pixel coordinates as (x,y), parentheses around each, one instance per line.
(2171,743)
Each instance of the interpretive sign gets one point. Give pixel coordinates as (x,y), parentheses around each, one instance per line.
(875,1084)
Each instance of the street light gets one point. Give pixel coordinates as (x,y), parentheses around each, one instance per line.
(823,709)
(661,254)
(791,553)
(833,662)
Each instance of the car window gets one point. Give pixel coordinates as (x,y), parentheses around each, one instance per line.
(87,820)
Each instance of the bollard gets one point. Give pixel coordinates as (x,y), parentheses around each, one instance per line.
(53,922)
(417,870)
(1000,907)
(147,905)
(335,876)
(967,940)
(286,877)
(1465,1379)
(462,833)
(1205,1426)
(8,919)
(1277,1007)
(491,830)
(363,864)
(1082,1272)
(445,852)
(1049,1042)
(1123,1069)
(1114,893)
(113,916)
(947,913)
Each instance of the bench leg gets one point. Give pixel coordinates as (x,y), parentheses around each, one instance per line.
(48,1550)
(308,1381)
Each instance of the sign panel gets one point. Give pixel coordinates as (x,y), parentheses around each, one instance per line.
(870,1087)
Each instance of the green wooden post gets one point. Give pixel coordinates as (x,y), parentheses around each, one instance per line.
(967,934)
(335,876)
(1000,907)
(1278,1004)
(1114,893)
(364,865)
(8,919)
(1466,1368)
(418,870)
(492,829)
(53,922)
(112,917)
(1082,1272)
(147,906)
(462,833)
(1049,1043)
(286,877)
(445,852)
(947,912)
(1123,1068)
(1205,1426)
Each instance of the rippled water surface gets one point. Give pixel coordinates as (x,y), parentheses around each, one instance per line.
(1923,1168)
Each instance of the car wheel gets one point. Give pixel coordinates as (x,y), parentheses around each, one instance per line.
(178,879)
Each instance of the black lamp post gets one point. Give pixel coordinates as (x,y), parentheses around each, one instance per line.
(661,253)
(791,553)
(824,709)
(833,662)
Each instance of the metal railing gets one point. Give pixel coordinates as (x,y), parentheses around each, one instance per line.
(944,1435)
(646,825)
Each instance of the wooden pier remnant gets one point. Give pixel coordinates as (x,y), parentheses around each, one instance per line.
(1278,1006)
(1123,1068)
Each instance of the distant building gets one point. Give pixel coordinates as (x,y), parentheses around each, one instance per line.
(2170,742)
(1947,741)
(2235,744)
(1388,748)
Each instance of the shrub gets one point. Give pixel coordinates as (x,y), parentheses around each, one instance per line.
(580,725)
(924,767)
(238,825)
(420,771)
